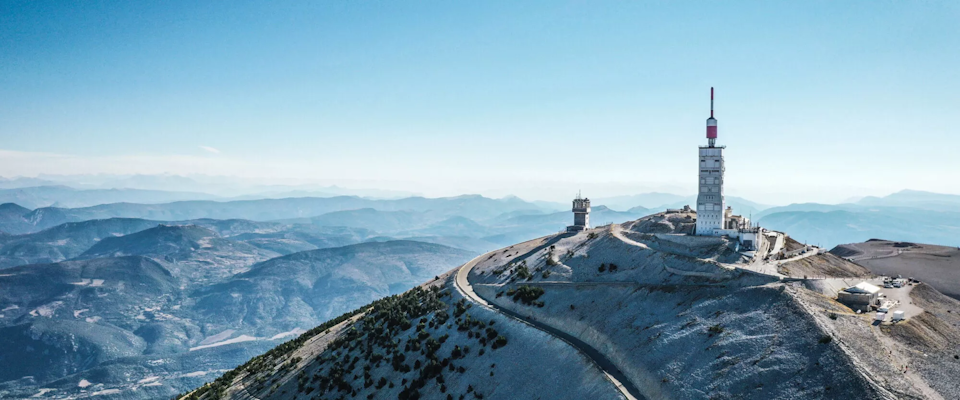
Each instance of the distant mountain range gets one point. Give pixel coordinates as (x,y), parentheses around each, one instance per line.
(220,186)
(906,216)
(472,222)
(179,302)
(477,222)
(63,196)
(14,220)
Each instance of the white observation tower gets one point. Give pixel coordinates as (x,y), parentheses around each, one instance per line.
(581,214)
(710,202)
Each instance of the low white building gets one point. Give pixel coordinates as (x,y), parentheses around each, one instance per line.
(860,296)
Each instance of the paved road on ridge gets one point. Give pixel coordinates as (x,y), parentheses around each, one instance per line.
(626,388)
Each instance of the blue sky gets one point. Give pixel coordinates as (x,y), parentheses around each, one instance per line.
(816,101)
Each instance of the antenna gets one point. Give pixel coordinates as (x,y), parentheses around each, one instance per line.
(711,102)
(711,124)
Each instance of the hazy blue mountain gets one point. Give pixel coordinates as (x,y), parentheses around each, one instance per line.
(22,182)
(832,228)
(471,206)
(224,186)
(915,199)
(121,318)
(524,227)
(551,206)
(70,239)
(61,318)
(64,241)
(645,200)
(301,237)
(195,255)
(63,196)
(12,219)
(474,244)
(740,205)
(375,220)
(806,207)
(906,199)
(306,288)
(907,215)
(453,226)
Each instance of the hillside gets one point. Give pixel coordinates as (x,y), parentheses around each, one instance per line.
(153,313)
(71,239)
(426,343)
(938,266)
(194,254)
(303,289)
(64,241)
(665,315)
(56,310)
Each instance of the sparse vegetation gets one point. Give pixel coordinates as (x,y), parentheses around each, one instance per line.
(375,338)
(523,272)
(527,294)
(715,329)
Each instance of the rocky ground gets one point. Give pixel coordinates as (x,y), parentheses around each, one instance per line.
(938,266)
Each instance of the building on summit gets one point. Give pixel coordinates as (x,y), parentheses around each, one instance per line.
(714,218)
(711,213)
(581,214)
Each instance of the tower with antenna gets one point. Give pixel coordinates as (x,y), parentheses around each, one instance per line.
(711,217)
(581,214)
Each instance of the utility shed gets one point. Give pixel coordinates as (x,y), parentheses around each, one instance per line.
(859,297)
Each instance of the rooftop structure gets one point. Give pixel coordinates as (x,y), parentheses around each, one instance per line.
(581,214)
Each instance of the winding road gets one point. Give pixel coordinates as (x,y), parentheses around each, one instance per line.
(612,373)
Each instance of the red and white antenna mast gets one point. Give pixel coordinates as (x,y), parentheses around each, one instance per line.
(711,124)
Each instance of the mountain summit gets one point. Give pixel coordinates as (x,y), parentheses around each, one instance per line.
(637,310)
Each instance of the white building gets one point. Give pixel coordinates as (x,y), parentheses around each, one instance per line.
(711,207)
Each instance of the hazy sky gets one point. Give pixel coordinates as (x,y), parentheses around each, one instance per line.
(816,101)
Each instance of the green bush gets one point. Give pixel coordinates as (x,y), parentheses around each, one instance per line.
(527,294)
(523,272)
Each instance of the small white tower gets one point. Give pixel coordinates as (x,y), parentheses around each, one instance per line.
(581,214)
(711,214)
